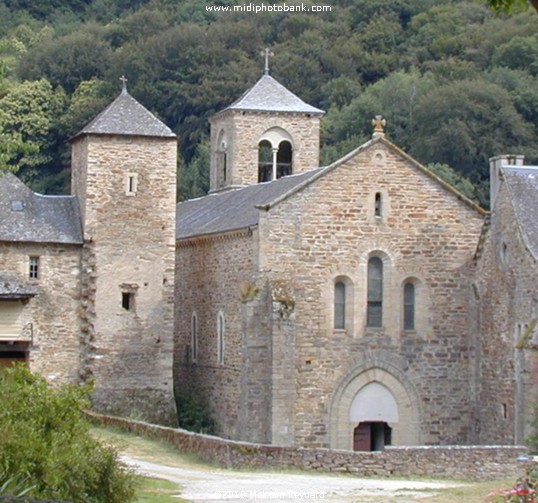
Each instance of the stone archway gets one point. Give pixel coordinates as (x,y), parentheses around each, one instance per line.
(353,402)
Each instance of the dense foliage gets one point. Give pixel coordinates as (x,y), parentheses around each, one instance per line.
(456,81)
(46,450)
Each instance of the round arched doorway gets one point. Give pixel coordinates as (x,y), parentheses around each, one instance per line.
(374,408)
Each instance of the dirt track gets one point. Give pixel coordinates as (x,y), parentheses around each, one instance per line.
(209,485)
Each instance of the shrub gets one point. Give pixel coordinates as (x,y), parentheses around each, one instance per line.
(45,439)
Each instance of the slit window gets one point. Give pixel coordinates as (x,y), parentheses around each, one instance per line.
(377,205)
(194,338)
(131,184)
(220,338)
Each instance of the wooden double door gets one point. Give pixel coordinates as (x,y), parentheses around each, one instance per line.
(371,436)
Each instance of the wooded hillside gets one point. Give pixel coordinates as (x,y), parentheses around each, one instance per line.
(456,82)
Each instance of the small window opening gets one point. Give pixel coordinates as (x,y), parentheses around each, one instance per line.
(131,184)
(504,411)
(377,204)
(127,301)
(34,268)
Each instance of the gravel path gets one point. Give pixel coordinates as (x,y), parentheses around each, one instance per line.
(209,485)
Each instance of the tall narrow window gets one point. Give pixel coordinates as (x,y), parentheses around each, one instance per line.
(374,315)
(220,338)
(194,338)
(377,204)
(33,272)
(265,161)
(340,305)
(409,306)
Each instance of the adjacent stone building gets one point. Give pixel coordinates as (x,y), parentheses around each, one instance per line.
(86,281)
(506,305)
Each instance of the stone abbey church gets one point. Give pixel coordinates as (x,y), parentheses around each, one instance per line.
(349,306)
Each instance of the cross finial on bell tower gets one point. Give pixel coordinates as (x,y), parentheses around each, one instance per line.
(267,54)
(379,126)
(123,84)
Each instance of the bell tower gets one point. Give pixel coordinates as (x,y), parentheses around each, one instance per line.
(124,176)
(267,133)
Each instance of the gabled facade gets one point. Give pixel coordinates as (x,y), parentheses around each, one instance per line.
(330,308)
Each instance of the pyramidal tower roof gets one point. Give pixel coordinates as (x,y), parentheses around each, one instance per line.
(126,116)
(268,95)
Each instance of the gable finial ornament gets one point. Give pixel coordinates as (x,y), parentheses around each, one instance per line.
(379,126)
(123,84)
(266,53)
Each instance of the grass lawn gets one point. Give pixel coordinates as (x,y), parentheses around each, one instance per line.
(158,491)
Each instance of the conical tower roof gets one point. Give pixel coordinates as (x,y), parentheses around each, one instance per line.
(268,95)
(126,116)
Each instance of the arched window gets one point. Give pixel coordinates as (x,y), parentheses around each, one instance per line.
(274,156)
(265,162)
(409,306)
(374,315)
(194,338)
(340,305)
(220,338)
(283,159)
(377,204)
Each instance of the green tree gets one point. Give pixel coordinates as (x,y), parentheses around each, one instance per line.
(45,439)
(508,6)
(28,125)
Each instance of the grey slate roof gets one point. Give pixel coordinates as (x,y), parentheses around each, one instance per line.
(29,217)
(12,288)
(233,209)
(125,116)
(523,186)
(268,95)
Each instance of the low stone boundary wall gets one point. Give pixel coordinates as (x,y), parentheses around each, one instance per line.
(455,462)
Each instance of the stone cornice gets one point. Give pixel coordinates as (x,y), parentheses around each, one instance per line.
(206,238)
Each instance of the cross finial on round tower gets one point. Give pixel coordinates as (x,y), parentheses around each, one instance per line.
(379,126)
(266,53)
(123,84)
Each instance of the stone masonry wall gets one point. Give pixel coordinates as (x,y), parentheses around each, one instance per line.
(243,131)
(454,462)
(212,275)
(507,303)
(51,318)
(129,250)
(424,234)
